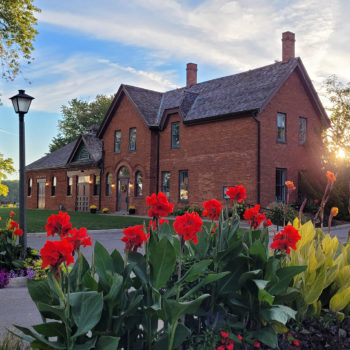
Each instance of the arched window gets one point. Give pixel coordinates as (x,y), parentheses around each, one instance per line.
(138,184)
(123,172)
(30,186)
(109,180)
(53,185)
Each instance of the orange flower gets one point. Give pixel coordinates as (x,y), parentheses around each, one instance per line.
(12,214)
(330,176)
(290,185)
(334,211)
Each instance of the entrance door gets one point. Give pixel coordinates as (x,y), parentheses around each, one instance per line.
(123,199)
(82,200)
(41,194)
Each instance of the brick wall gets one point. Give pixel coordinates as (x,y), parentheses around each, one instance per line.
(127,117)
(292,99)
(60,198)
(215,154)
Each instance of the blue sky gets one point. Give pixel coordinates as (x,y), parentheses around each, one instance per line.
(87,47)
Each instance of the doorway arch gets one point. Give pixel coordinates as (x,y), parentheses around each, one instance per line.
(123,177)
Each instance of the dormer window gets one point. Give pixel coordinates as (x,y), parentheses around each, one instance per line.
(82,153)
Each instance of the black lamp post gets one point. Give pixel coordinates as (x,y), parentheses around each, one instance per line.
(21,103)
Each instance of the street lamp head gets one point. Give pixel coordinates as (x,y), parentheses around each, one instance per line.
(21,102)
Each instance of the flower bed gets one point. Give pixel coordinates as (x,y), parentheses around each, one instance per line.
(212,288)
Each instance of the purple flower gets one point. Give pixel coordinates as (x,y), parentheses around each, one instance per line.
(4,278)
(31,273)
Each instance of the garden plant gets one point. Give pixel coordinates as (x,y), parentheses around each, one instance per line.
(201,287)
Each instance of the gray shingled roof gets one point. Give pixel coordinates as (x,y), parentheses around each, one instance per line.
(60,157)
(228,95)
(55,159)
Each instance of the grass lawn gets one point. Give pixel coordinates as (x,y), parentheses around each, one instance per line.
(36,219)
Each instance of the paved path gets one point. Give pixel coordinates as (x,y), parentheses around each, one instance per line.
(16,306)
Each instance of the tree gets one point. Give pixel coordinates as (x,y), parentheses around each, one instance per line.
(17,34)
(78,116)
(337,137)
(13,193)
(6,166)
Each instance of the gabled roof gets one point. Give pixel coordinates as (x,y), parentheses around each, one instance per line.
(240,93)
(93,145)
(62,157)
(55,159)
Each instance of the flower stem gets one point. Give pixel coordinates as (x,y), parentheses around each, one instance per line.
(182,242)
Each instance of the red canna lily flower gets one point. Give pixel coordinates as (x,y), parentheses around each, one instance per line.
(134,237)
(58,224)
(13,225)
(188,225)
(54,253)
(253,216)
(267,223)
(257,345)
(79,238)
(286,239)
(236,193)
(212,209)
(18,232)
(224,334)
(159,205)
(12,214)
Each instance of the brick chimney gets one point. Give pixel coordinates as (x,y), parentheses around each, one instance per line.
(288,46)
(191,71)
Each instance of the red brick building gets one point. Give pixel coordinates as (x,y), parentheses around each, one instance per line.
(257,129)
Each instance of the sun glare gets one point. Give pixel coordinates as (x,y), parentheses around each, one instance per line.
(341,153)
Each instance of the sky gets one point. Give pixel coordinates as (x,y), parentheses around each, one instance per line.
(85,48)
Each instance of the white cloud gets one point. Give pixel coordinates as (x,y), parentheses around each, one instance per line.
(84,77)
(231,36)
(238,35)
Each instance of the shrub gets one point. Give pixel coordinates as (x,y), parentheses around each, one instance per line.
(182,210)
(276,214)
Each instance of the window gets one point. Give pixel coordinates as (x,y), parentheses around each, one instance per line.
(138,184)
(165,186)
(183,185)
(53,185)
(30,186)
(69,185)
(281,127)
(132,139)
(117,141)
(281,176)
(302,130)
(109,180)
(123,172)
(175,135)
(82,153)
(97,185)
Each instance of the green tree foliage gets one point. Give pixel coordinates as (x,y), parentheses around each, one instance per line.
(78,116)
(17,34)
(13,192)
(6,166)
(338,135)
